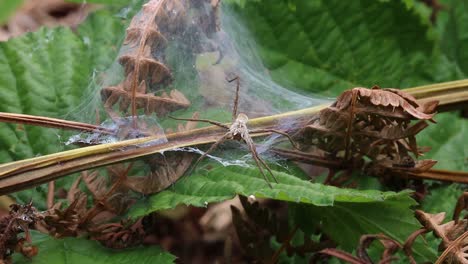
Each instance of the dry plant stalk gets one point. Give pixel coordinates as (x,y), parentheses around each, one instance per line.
(143,62)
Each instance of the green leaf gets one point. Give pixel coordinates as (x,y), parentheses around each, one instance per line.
(82,251)
(7,7)
(224,183)
(47,73)
(329,46)
(454,35)
(448,142)
(346,222)
(442,199)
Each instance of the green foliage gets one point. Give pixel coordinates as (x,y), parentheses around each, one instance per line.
(224,183)
(453,34)
(83,251)
(47,73)
(346,222)
(447,140)
(329,46)
(442,199)
(317,46)
(7,7)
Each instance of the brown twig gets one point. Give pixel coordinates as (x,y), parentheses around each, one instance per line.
(408,245)
(50,194)
(52,122)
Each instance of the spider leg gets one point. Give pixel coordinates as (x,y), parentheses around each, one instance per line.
(211,149)
(268,168)
(236,99)
(248,140)
(277,132)
(202,120)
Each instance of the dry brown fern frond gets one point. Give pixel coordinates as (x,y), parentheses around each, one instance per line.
(119,235)
(374,123)
(143,61)
(166,168)
(109,200)
(20,219)
(454,236)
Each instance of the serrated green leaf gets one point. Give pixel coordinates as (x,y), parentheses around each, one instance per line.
(82,251)
(47,73)
(224,183)
(329,46)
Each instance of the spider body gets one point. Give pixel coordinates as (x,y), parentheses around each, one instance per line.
(239,127)
(239,131)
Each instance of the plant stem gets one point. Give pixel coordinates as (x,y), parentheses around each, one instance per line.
(27,173)
(51,122)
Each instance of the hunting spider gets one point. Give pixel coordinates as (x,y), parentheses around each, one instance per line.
(238,131)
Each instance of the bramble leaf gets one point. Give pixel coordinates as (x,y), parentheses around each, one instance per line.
(79,250)
(328,46)
(345,222)
(224,183)
(48,73)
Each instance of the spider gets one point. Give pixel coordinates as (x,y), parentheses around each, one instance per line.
(239,131)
